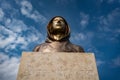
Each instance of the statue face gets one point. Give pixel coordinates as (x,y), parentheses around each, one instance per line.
(58,23)
(58,28)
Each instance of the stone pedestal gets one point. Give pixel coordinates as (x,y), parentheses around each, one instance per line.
(57,66)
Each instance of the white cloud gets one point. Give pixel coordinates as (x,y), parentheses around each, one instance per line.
(10,47)
(11,34)
(79,37)
(99,62)
(116,61)
(38,17)
(5,5)
(84,19)
(21,40)
(16,25)
(9,9)
(1,14)
(84,38)
(4,41)
(17,32)
(8,21)
(28,11)
(8,67)
(33,37)
(114,16)
(110,24)
(26,8)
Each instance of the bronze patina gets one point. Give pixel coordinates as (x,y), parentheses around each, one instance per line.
(58,34)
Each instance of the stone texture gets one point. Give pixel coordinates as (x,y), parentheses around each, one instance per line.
(57,66)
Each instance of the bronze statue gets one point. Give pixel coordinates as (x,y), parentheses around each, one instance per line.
(58,33)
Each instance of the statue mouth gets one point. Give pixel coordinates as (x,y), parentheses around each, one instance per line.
(58,24)
(58,27)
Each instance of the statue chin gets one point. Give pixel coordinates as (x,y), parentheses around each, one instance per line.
(57,30)
(57,33)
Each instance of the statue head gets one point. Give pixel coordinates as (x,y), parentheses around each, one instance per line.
(58,28)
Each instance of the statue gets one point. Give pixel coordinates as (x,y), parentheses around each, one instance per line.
(58,33)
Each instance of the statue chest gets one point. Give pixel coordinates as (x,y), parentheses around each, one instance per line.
(55,47)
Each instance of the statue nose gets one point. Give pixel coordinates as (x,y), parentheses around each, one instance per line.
(58,22)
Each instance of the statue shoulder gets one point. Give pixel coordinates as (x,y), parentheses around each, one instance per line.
(77,48)
(37,48)
(80,49)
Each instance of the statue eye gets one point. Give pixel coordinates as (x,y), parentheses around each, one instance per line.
(55,20)
(61,20)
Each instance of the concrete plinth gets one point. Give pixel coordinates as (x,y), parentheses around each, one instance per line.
(57,66)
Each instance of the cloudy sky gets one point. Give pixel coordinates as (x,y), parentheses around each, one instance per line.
(95,25)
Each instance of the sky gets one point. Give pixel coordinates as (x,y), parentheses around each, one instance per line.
(94,25)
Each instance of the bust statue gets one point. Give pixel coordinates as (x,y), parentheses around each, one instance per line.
(58,34)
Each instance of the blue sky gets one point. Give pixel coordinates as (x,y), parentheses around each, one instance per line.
(94,24)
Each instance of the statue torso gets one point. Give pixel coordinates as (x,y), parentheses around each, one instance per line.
(65,46)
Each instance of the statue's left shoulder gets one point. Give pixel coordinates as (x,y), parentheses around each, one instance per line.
(80,49)
(77,48)
(36,49)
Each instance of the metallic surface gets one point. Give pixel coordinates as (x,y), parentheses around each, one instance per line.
(58,38)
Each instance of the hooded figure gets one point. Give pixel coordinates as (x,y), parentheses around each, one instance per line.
(58,33)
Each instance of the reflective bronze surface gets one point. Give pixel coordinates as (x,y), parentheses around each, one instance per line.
(58,38)
(58,28)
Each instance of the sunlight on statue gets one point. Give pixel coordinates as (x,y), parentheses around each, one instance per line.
(58,34)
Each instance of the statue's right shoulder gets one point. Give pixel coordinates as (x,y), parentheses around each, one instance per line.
(39,47)
(36,49)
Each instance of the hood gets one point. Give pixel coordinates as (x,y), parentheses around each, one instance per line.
(62,36)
